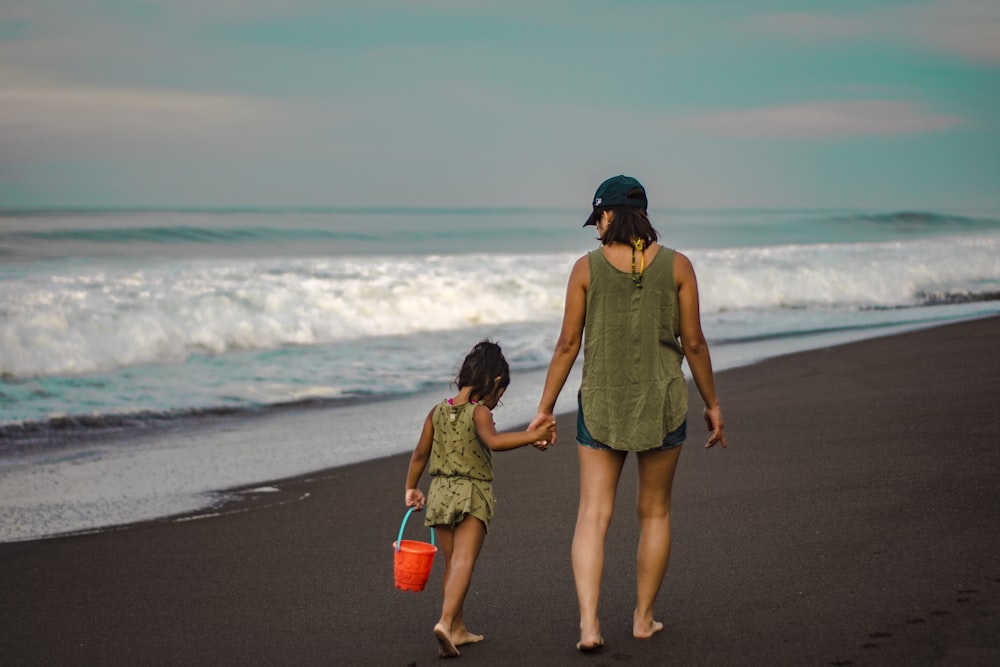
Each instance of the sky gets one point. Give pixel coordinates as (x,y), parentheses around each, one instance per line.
(500,103)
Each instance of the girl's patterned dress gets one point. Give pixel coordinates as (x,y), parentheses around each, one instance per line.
(461,469)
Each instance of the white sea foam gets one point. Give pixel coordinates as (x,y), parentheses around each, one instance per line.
(888,275)
(99,320)
(94,321)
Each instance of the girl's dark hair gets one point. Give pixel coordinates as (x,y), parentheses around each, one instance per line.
(481,369)
(629,224)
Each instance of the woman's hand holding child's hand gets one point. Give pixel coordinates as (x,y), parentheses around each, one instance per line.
(544,435)
(415,498)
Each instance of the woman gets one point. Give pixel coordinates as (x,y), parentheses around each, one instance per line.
(634,305)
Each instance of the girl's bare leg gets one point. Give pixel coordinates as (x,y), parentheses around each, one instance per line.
(599,473)
(461,547)
(446,542)
(656,476)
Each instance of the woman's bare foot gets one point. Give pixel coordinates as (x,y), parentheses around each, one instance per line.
(645,629)
(446,647)
(590,640)
(463,636)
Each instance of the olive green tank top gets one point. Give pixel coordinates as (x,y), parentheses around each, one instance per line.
(633,390)
(456,450)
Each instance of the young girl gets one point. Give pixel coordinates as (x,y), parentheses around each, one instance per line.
(458,438)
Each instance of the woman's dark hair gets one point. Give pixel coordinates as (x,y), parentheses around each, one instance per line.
(629,224)
(481,369)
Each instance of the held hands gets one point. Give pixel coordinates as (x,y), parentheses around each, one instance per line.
(543,426)
(713,419)
(415,498)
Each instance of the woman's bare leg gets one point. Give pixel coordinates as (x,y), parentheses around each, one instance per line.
(461,547)
(599,473)
(656,476)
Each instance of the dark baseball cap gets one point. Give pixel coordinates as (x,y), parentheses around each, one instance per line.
(615,192)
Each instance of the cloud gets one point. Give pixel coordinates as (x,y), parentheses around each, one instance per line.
(966,28)
(969,28)
(819,120)
(802,25)
(47,118)
(115,107)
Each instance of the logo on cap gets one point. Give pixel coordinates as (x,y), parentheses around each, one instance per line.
(597,202)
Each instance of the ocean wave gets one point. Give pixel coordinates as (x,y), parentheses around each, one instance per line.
(91,320)
(62,428)
(846,276)
(98,320)
(921,221)
(185,234)
(58,427)
(388,228)
(29,236)
(950,298)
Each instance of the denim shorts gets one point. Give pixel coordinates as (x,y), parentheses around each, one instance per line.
(673,439)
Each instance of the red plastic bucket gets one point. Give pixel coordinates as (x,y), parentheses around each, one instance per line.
(412,560)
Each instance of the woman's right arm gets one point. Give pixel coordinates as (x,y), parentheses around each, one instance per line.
(696,347)
(569,342)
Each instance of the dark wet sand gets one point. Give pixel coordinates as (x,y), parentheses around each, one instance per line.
(854,520)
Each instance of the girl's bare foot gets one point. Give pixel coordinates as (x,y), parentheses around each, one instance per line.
(463,636)
(590,640)
(446,647)
(645,629)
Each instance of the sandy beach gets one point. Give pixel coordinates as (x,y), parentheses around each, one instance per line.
(853,520)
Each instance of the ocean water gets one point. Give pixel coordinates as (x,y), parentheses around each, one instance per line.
(138,348)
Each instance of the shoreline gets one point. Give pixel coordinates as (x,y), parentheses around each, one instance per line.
(58,428)
(172,458)
(852,520)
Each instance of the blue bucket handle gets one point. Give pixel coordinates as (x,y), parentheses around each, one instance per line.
(399,540)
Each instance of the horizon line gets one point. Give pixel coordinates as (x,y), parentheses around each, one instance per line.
(403,209)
